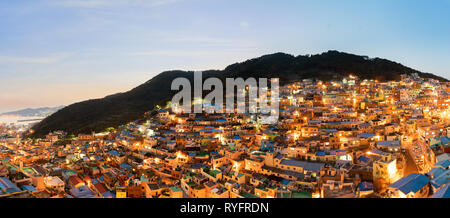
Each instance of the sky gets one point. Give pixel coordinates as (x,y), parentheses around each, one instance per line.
(58,52)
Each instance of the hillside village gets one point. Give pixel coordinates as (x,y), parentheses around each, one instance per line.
(350,138)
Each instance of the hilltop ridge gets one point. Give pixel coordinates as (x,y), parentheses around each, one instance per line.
(120,108)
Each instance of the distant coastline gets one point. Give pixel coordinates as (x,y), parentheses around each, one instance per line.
(27,116)
(23,120)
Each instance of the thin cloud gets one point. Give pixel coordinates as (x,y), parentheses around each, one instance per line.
(109,3)
(81,3)
(189,53)
(32,60)
(211,42)
(163,2)
(173,53)
(244,24)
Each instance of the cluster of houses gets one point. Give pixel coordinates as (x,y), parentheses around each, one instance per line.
(336,139)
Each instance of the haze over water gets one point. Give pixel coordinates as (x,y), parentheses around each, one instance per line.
(8,119)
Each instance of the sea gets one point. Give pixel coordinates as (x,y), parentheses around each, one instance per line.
(19,120)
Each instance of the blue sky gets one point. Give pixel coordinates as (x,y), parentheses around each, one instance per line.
(55,52)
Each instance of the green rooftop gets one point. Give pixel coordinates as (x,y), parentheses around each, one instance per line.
(248,195)
(298,194)
(214,173)
(175,189)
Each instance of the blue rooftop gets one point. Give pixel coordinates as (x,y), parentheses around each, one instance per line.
(411,183)
(320,153)
(441,179)
(125,166)
(309,166)
(109,194)
(443,192)
(365,186)
(7,186)
(29,188)
(366,135)
(443,163)
(82,192)
(114,152)
(445,140)
(285,182)
(363,158)
(389,143)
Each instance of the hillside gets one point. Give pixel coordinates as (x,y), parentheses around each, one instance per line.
(114,110)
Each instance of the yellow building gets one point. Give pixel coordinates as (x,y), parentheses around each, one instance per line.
(385,171)
(121,192)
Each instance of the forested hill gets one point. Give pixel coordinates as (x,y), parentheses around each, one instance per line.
(117,109)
